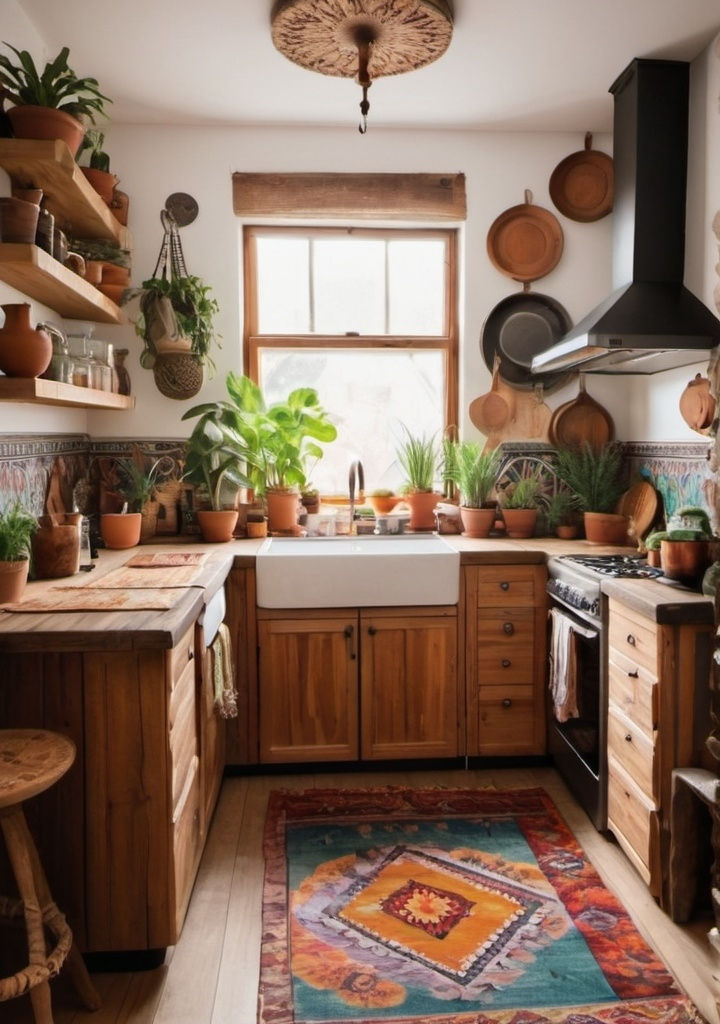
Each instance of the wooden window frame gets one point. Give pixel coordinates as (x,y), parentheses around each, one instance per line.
(447,343)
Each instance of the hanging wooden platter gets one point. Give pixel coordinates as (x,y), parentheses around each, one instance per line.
(582,185)
(640,505)
(526,241)
(582,421)
(697,405)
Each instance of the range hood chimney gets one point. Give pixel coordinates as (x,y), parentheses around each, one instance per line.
(651,322)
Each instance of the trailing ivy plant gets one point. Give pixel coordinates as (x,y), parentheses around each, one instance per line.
(192,308)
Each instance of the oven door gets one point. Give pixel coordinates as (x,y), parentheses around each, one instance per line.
(577,714)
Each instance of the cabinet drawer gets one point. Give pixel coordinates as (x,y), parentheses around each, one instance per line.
(181,654)
(506,664)
(633,637)
(634,690)
(507,720)
(187,843)
(632,817)
(515,625)
(506,585)
(634,751)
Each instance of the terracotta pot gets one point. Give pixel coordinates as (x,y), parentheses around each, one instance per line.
(477,522)
(31,122)
(684,560)
(605,528)
(112,291)
(113,274)
(566,532)
(18,220)
(519,522)
(283,506)
(13,577)
(120,530)
(422,509)
(382,504)
(102,181)
(94,271)
(653,558)
(120,206)
(29,195)
(217,525)
(56,546)
(24,350)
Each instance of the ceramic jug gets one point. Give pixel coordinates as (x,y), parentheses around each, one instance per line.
(25,351)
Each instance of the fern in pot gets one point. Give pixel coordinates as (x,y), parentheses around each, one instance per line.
(474,472)
(519,503)
(17,527)
(596,476)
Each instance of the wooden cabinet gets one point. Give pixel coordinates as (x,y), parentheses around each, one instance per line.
(658,680)
(121,839)
(505,612)
(341,684)
(211,732)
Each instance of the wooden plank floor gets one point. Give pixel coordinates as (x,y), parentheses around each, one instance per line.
(211,976)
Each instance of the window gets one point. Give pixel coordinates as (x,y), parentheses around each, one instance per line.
(367,317)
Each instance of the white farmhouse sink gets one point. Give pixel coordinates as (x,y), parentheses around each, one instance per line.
(356,572)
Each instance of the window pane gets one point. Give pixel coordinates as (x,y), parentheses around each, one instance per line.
(370,393)
(283,285)
(349,284)
(416,275)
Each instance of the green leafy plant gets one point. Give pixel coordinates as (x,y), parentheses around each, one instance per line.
(418,458)
(137,483)
(99,249)
(17,526)
(215,458)
(92,144)
(175,307)
(473,470)
(562,508)
(523,492)
(653,540)
(276,443)
(57,86)
(594,475)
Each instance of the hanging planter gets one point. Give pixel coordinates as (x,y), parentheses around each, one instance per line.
(175,321)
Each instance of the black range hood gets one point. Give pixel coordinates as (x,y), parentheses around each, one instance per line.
(651,322)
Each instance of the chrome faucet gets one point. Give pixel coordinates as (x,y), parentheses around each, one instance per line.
(356,487)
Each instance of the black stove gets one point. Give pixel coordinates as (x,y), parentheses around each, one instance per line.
(622,566)
(575,580)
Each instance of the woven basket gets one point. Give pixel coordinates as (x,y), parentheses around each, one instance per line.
(177,375)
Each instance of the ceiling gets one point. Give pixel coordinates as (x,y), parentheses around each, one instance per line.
(542,65)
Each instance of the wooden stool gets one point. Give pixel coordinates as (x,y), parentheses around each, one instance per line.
(32,760)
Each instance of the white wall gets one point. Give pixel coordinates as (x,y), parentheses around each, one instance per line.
(153,162)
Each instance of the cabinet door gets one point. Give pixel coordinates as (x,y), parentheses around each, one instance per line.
(308,688)
(409,685)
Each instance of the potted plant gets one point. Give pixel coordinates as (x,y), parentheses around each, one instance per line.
(418,458)
(97,169)
(17,526)
(49,104)
(474,471)
(652,546)
(519,503)
(562,510)
(684,548)
(595,475)
(176,324)
(382,500)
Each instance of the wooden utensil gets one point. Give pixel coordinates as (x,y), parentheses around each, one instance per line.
(583,421)
(640,505)
(490,412)
(697,405)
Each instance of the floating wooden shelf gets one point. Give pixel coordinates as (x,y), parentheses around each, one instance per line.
(69,196)
(52,392)
(35,273)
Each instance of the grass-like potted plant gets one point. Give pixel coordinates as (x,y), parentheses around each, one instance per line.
(562,513)
(519,503)
(17,526)
(97,169)
(595,475)
(418,457)
(52,103)
(475,472)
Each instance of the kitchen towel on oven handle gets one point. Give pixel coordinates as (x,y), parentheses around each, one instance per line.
(563,664)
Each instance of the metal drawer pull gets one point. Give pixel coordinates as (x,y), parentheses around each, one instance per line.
(371,630)
(631,639)
(349,631)
(506,663)
(504,585)
(507,703)
(628,737)
(633,674)
(508,628)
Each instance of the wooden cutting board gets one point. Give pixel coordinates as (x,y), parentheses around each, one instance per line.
(582,421)
(640,505)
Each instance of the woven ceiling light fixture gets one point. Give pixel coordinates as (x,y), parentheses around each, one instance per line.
(362,39)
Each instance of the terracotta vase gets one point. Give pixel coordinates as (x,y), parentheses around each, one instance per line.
(422,509)
(32,122)
(102,181)
(283,506)
(24,350)
(519,522)
(477,522)
(13,577)
(120,530)
(605,528)
(217,525)
(18,220)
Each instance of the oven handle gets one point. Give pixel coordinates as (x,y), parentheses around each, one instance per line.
(588,634)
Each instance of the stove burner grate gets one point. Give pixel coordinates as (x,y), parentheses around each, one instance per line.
(625,566)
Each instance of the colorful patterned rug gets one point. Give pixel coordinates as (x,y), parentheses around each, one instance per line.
(446,907)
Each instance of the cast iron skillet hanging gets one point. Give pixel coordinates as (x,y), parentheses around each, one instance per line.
(582,185)
(518,328)
(526,241)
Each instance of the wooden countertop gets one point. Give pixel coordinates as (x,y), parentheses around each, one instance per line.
(136,630)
